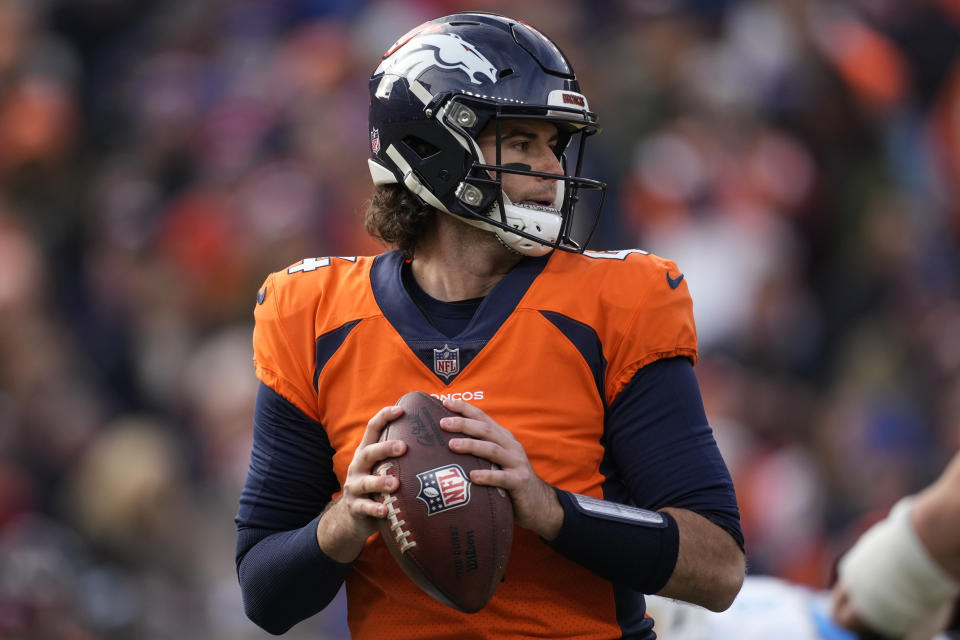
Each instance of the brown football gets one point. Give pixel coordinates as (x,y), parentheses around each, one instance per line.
(449,535)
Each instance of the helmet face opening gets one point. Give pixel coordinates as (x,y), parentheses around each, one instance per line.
(443,84)
(495,207)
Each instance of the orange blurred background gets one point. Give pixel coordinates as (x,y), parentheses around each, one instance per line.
(799,159)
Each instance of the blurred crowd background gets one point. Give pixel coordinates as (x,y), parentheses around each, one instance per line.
(799,159)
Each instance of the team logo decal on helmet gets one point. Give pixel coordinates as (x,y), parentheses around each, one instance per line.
(444,50)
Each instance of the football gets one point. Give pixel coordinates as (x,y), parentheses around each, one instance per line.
(449,535)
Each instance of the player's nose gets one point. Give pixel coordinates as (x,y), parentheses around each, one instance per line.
(548,162)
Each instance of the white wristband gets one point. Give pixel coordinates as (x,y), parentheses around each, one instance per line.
(892,581)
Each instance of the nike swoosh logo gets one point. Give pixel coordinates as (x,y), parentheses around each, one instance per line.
(262,295)
(674,282)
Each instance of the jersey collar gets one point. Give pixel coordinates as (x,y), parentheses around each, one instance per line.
(423,338)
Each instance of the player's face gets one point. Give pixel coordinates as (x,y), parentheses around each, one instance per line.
(532,143)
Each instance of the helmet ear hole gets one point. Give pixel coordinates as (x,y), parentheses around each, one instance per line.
(505,72)
(421,147)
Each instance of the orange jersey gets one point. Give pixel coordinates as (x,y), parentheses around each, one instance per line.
(548,350)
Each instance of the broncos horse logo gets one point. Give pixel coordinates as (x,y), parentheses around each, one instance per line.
(443,50)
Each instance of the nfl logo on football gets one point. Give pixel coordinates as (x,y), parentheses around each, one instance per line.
(443,488)
(446,361)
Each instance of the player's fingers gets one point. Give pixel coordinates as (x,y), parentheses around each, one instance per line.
(837,598)
(368,507)
(371,454)
(844,613)
(457,424)
(378,484)
(376,424)
(482,449)
(509,479)
(482,429)
(365,485)
(464,408)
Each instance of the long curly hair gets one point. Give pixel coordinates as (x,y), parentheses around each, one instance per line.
(397,218)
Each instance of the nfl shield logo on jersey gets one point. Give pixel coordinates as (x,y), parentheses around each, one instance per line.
(446,361)
(375,140)
(443,488)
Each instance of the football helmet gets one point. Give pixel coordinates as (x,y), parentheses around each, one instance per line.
(439,86)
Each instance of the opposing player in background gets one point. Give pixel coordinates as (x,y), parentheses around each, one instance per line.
(572,370)
(767,608)
(901,580)
(903,574)
(770,607)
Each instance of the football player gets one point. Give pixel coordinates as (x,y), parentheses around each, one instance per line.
(572,370)
(904,572)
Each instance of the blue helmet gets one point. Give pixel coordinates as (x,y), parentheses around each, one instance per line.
(440,85)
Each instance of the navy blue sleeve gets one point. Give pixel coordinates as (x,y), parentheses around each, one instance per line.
(284,575)
(661,451)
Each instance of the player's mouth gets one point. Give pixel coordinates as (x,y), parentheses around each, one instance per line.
(537,204)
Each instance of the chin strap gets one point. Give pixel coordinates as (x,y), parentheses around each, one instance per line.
(543,222)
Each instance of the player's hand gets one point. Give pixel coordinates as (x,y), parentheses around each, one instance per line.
(844,613)
(353,517)
(535,505)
